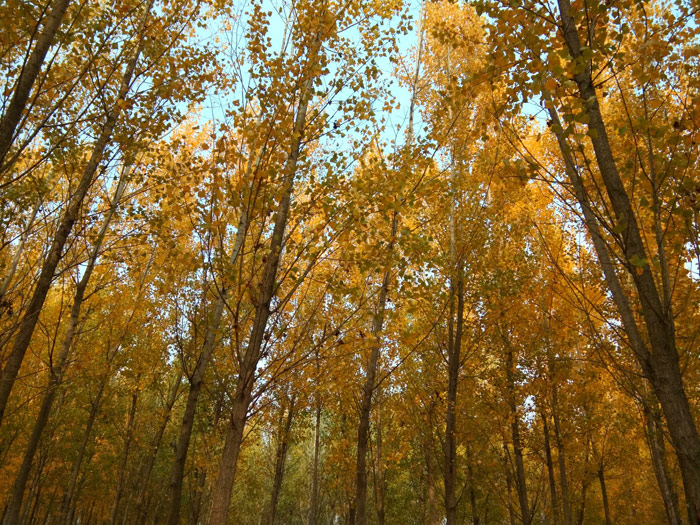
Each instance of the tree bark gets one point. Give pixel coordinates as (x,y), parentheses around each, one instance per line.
(561,455)
(604,494)
(29,74)
(183,443)
(471,481)
(520,479)
(314,500)
(280,459)
(68,498)
(201,476)
(56,371)
(251,357)
(123,466)
(509,484)
(661,366)
(379,481)
(550,469)
(655,439)
(70,215)
(368,391)
(153,449)
(454,346)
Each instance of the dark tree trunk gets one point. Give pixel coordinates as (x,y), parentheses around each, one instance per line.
(604,494)
(124,464)
(69,496)
(655,439)
(29,74)
(153,450)
(661,365)
(550,469)
(57,370)
(70,215)
(314,500)
(520,479)
(251,357)
(183,443)
(280,459)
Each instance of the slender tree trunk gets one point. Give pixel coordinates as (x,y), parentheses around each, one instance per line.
(621,300)
(509,484)
(199,492)
(70,215)
(430,480)
(314,500)
(661,366)
(604,494)
(561,455)
(56,371)
(280,459)
(367,394)
(183,443)
(471,481)
(246,377)
(123,467)
(453,365)
(153,449)
(379,482)
(34,492)
(18,252)
(29,74)
(584,483)
(655,439)
(360,503)
(520,480)
(550,469)
(69,495)
(454,345)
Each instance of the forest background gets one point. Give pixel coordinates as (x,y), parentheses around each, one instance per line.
(349,261)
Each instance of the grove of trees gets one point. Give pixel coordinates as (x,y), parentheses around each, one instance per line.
(349,262)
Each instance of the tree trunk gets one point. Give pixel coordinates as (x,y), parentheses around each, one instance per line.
(34,493)
(604,494)
(367,393)
(70,215)
(30,71)
(520,480)
(280,459)
(68,498)
(18,253)
(183,443)
(470,480)
(584,483)
(56,372)
(379,481)
(201,476)
(550,469)
(509,484)
(249,363)
(661,366)
(153,449)
(453,365)
(561,454)
(360,503)
(655,439)
(123,467)
(314,500)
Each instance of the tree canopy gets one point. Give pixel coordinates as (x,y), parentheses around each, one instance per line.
(349,262)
